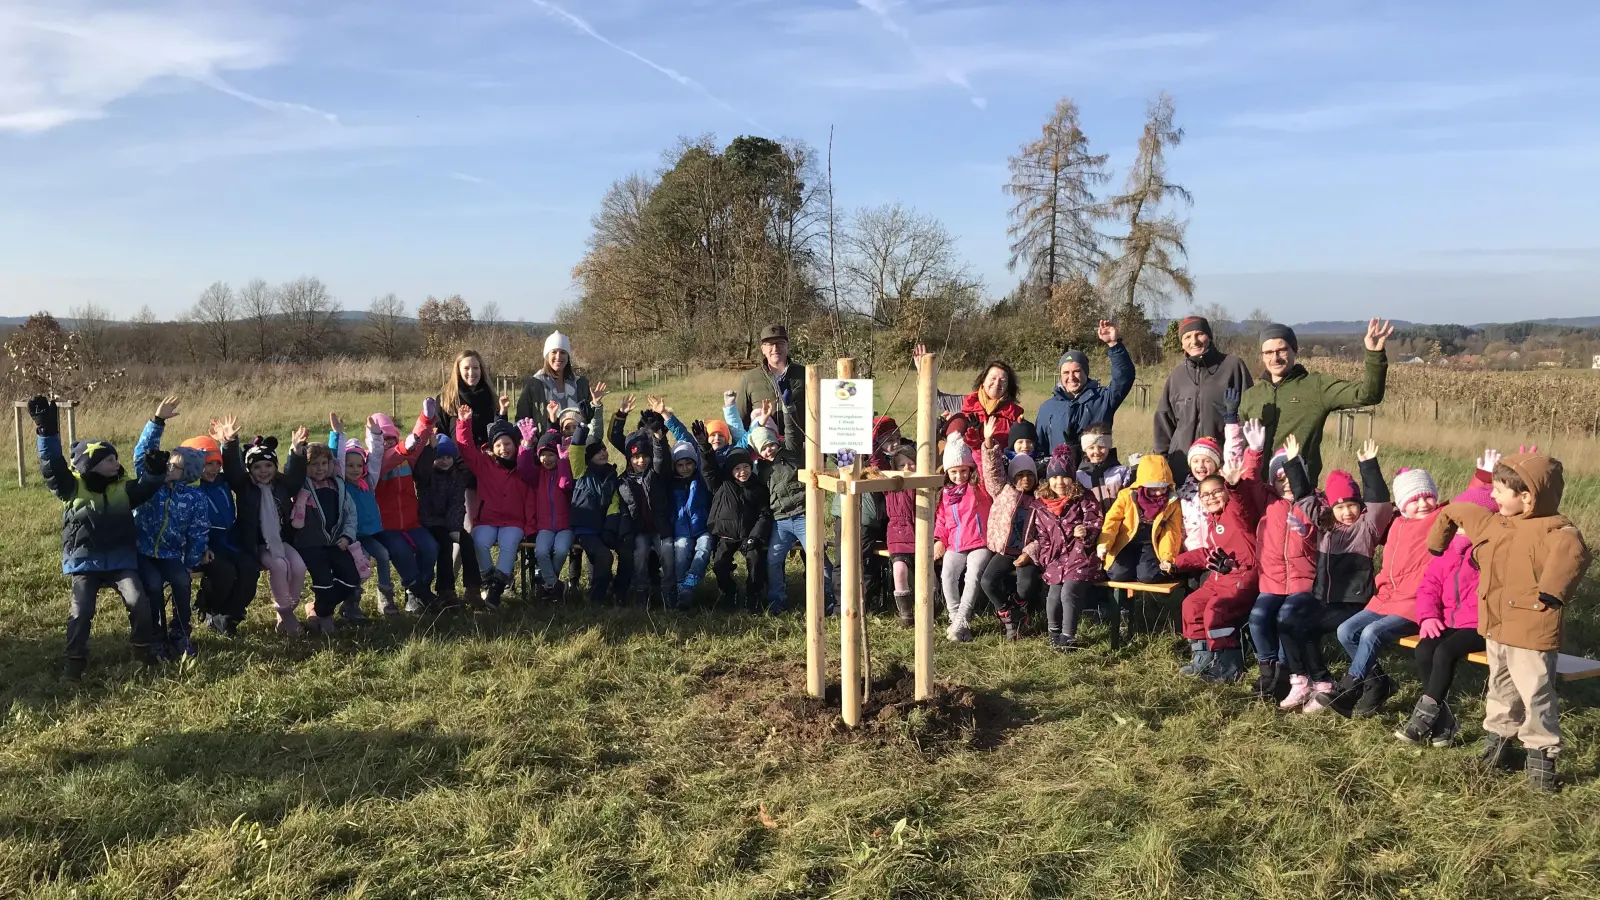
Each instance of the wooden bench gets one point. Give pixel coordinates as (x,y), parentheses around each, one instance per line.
(1137,587)
(1568,667)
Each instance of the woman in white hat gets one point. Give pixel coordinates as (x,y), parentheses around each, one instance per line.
(555,381)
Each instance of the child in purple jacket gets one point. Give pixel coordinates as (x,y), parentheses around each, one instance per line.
(1068,528)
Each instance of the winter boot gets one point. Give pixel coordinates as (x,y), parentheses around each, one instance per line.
(1541,766)
(1496,755)
(1266,685)
(350,610)
(1322,694)
(1225,667)
(495,586)
(472,595)
(1299,692)
(1375,689)
(1445,727)
(76,666)
(904,609)
(1424,718)
(178,640)
(1199,661)
(448,599)
(318,624)
(386,604)
(288,625)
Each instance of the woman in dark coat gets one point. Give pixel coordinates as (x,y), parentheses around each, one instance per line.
(555,381)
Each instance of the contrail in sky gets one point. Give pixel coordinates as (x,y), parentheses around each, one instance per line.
(880,8)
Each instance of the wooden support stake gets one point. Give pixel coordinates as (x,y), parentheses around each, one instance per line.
(394,402)
(927,465)
(816,542)
(72,422)
(21,473)
(850,601)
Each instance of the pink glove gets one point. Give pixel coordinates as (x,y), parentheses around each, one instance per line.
(528,427)
(1431,628)
(430,409)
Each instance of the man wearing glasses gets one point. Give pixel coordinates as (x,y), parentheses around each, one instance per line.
(1289,400)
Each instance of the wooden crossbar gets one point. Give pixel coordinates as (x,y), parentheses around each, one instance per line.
(1568,667)
(1140,587)
(883,485)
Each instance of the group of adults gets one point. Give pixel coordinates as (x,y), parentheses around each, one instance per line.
(1286,397)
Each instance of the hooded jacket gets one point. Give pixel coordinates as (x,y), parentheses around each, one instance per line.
(595,492)
(1106,480)
(1405,559)
(1286,536)
(551,488)
(960,521)
(1122,520)
(221,513)
(97,530)
(634,488)
(396,491)
(1449,588)
(739,510)
(785,494)
(1191,403)
(1064,557)
(1300,403)
(1232,531)
(1011,512)
(1063,417)
(1345,555)
(249,496)
(441,496)
(1523,561)
(176,522)
(504,499)
(363,487)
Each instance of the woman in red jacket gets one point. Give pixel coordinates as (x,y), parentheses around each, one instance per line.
(994,397)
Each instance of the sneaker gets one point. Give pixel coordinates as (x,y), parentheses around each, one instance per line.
(414,604)
(220,625)
(321,624)
(182,647)
(1321,698)
(1066,643)
(449,599)
(153,655)
(350,611)
(1541,768)
(1012,632)
(952,634)
(1419,728)
(1299,692)
(386,604)
(964,634)
(288,625)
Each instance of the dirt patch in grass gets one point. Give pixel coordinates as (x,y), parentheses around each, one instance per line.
(765,702)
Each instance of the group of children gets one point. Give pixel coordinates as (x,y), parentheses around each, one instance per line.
(1255,543)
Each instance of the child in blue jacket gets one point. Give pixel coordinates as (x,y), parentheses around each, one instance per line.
(173,529)
(99,542)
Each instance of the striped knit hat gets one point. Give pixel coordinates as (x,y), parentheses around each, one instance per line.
(1409,484)
(1207,447)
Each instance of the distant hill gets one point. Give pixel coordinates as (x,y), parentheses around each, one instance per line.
(1351,327)
(348,316)
(1360,326)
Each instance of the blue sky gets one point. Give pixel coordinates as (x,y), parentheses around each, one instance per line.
(1424,161)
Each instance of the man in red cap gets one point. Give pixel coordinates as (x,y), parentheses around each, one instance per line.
(1200,394)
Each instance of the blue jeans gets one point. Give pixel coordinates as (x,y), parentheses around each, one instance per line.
(690,556)
(599,565)
(379,554)
(414,554)
(1269,615)
(785,534)
(1366,632)
(507,539)
(153,573)
(550,549)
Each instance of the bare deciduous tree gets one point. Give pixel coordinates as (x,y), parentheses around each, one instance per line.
(901,272)
(146,335)
(386,330)
(1053,219)
(308,312)
(259,304)
(214,314)
(444,324)
(91,322)
(1148,267)
(488,315)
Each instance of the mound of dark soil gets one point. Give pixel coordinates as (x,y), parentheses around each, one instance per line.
(770,699)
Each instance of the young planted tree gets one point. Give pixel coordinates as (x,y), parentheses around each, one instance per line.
(1053,219)
(47,359)
(1147,268)
(214,315)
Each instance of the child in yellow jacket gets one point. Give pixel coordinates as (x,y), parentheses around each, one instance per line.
(1143,533)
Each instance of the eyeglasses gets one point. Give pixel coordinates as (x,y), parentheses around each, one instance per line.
(1273,354)
(1212,495)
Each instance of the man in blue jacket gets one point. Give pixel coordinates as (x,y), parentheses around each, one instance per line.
(1078,400)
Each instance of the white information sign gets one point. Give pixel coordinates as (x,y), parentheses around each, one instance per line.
(846,415)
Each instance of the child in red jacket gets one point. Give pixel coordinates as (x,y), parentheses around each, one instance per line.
(504,505)
(1286,545)
(1213,615)
(900,534)
(543,465)
(411,548)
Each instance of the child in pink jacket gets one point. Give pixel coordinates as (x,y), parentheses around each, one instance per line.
(960,540)
(1447,613)
(548,472)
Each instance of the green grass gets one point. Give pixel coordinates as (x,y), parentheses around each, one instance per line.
(597,753)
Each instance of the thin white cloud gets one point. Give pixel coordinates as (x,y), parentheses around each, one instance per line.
(469,179)
(668,71)
(881,9)
(1389,102)
(63,62)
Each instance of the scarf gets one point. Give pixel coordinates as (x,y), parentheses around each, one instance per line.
(1150,504)
(1056,505)
(989,404)
(271,528)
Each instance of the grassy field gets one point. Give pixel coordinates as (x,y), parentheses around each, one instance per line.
(580,752)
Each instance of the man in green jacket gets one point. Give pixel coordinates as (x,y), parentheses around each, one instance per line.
(1289,400)
(774,378)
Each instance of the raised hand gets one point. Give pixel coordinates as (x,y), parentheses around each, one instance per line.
(528,427)
(1255,435)
(626,407)
(1108,333)
(768,407)
(1232,471)
(729,398)
(1291,447)
(1230,405)
(167,409)
(553,409)
(464,413)
(431,410)
(917,353)
(1489,459)
(1369,450)
(597,392)
(989,428)
(300,438)
(336,424)
(225,429)
(658,405)
(1378,335)
(1528,450)
(698,429)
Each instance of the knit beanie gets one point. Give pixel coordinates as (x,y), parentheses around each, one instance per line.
(1276,332)
(194,462)
(549,442)
(685,450)
(1194,323)
(760,436)
(557,341)
(351,445)
(1409,484)
(206,445)
(263,448)
(904,448)
(500,428)
(1279,460)
(1019,464)
(571,412)
(1207,447)
(591,449)
(1341,488)
(1063,461)
(638,443)
(387,426)
(717,426)
(88,454)
(1077,356)
(882,427)
(957,455)
(444,446)
(738,456)
(1023,430)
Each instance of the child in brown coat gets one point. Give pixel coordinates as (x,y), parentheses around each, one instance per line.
(1530,559)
